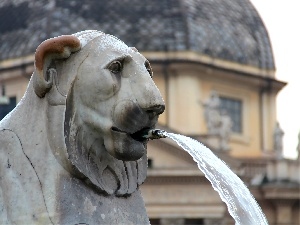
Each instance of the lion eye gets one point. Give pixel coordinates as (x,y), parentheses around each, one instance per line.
(148,68)
(115,66)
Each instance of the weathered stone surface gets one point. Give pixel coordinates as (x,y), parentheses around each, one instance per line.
(67,154)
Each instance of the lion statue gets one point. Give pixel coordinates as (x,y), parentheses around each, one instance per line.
(72,151)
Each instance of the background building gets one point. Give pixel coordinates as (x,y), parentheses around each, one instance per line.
(198,49)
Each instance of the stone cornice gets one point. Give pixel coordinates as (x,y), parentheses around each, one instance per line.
(16,62)
(278,191)
(184,180)
(174,172)
(191,56)
(264,79)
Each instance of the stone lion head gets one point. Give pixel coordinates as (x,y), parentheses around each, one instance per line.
(101,99)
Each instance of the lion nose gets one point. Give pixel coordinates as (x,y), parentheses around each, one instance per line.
(155,110)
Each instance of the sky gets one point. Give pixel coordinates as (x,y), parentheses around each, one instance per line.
(282,19)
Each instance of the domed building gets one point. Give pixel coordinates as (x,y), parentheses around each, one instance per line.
(212,62)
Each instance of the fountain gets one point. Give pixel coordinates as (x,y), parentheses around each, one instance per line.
(74,149)
(240,202)
(71,152)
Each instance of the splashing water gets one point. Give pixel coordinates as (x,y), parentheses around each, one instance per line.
(241,204)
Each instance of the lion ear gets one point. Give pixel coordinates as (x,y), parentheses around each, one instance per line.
(54,48)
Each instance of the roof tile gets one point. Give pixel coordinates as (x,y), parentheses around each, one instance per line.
(229,29)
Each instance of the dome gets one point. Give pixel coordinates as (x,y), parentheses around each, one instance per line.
(230,30)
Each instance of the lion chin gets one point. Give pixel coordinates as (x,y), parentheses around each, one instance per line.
(127,148)
(102,170)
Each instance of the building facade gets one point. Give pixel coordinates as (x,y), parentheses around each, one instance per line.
(212,60)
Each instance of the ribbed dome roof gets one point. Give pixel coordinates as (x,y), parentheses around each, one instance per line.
(230,30)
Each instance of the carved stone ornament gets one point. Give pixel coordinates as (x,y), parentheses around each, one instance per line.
(225,131)
(278,141)
(218,122)
(69,151)
(212,114)
(298,147)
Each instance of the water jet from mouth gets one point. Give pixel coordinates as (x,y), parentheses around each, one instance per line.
(240,203)
(154,134)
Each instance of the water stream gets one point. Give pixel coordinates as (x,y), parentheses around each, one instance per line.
(240,203)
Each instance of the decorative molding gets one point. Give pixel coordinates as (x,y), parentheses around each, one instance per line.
(205,59)
(158,180)
(16,62)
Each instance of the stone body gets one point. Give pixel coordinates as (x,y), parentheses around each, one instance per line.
(298,147)
(218,122)
(66,154)
(225,131)
(212,114)
(278,141)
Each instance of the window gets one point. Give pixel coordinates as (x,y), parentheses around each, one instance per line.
(154,221)
(233,108)
(193,221)
(6,108)
(150,163)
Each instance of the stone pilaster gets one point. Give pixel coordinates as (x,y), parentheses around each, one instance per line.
(284,211)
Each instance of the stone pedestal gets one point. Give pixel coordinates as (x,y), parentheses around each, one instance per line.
(284,169)
(284,211)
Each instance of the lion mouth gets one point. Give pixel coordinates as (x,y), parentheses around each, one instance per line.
(138,135)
